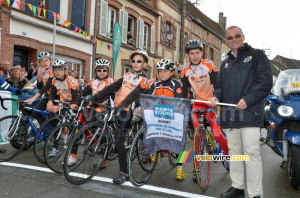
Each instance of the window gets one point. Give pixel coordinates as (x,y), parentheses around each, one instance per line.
(51,5)
(168,29)
(111,21)
(130,31)
(140,34)
(79,11)
(211,53)
(152,39)
(146,37)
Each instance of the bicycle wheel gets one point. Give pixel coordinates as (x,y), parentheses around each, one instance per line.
(172,159)
(201,168)
(40,138)
(139,164)
(112,149)
(56,145)
(12,137)
(90,145)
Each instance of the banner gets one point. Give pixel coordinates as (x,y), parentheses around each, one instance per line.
(166,122)
(11,110)
(117,36)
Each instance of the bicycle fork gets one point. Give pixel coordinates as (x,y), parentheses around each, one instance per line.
(13,129)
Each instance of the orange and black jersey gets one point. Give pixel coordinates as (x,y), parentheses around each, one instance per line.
(169,88)
(96,85)
(122,88)
(199,80)
(67,90)
(49,75)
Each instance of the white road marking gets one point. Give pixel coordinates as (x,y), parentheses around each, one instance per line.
(109,180)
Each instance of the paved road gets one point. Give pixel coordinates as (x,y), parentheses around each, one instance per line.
(29,182)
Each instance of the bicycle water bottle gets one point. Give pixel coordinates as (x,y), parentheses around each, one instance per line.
(35,123)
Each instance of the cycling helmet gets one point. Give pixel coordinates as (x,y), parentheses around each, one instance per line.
(102,62)
(193,44)
(43,54)
(165,64)
(140,52)
(60,63)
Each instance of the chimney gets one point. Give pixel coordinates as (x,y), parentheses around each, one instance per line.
(222,21)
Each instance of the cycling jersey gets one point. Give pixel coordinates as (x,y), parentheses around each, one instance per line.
(198,80)
(47,75)
(169,88)
(122,87)
(67,90)
(6,86)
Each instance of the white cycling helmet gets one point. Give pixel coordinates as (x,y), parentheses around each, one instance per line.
(60,63)
(140,52)
(43,55)
(165,64)
(102,62)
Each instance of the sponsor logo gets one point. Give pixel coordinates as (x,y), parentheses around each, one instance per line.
(247,59)
(164,111)
(226,66)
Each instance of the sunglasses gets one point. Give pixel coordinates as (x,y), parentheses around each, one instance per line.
(102,70)
(237,36)
(136,61)
(58,69)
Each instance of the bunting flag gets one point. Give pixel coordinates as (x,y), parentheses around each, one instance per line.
(89,37)
(95,40)
(79,32)
(65,22)
(49,15)
(18,4)
(98,42)
(44,11)
(30,7)
(76,28)
(68,24)
(39,11)
(85,35)
(58,16)
(72,27)
(34,10)
(8,3)
(1,2)
(54,15)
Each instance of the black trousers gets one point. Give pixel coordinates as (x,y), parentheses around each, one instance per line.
(124,120)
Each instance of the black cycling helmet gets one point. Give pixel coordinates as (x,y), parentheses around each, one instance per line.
(165,64)
(193,44)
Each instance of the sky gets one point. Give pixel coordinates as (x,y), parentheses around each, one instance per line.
(266,24)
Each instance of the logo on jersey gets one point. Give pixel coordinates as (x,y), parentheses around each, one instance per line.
(247,59)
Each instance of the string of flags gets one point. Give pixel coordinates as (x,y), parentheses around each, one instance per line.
(38,11)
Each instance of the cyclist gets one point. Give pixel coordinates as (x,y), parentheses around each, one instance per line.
(198,79)
(44,79)
(122,87)
(165,85)
(6,86)
(65,88)
(98,83)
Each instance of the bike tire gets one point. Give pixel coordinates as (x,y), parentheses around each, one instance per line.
(60,142)
(41,136)
(139,164)
(90,158)
(11,148)
(201,168)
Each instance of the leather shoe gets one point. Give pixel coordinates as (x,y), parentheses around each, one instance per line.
(233,193)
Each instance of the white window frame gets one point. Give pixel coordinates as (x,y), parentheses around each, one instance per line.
(110,9)
(146,34)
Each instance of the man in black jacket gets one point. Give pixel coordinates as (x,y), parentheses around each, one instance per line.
(245,79)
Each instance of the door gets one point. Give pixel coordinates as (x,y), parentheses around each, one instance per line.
(21,58)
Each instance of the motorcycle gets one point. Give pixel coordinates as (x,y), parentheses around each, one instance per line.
(282,118)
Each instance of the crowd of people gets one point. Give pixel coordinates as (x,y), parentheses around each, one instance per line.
(245,79)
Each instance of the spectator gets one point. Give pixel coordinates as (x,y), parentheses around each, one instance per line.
(5,67)
(129,38)
(81,84)
(1,72)
(23,72)
(86,82)
(16,80)
(32,72)
(74,74)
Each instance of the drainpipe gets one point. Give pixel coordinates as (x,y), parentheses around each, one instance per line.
(94,45)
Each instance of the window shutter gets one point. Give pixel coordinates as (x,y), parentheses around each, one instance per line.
(152,39)
(121,17)
(141,36)
(174,32)
(103,18)
(163,30)
(137,33)
(125,27)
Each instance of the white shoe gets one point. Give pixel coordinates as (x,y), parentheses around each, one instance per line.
(71,161)
(53,152)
